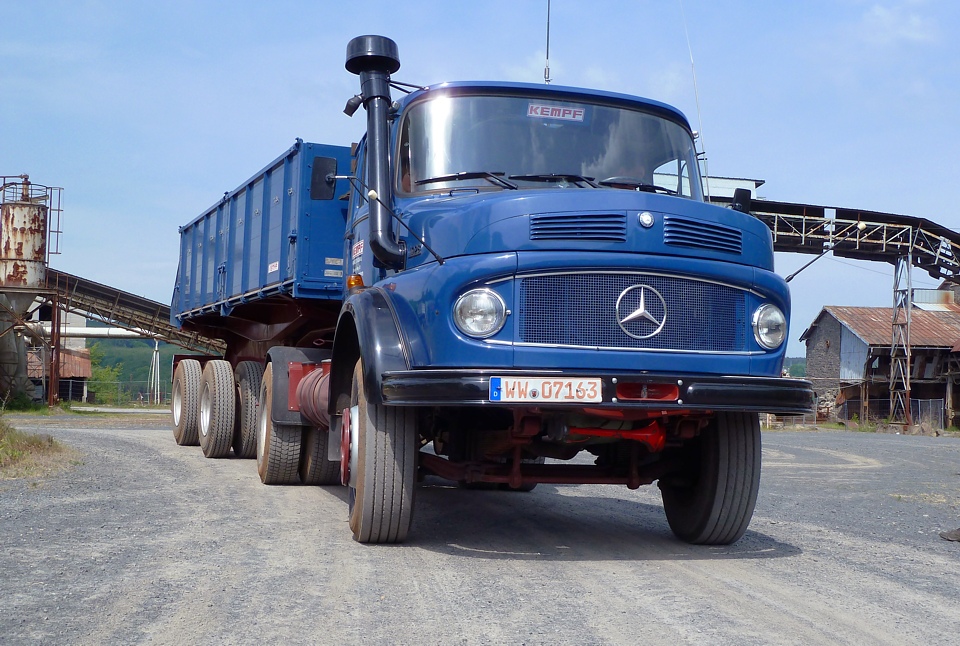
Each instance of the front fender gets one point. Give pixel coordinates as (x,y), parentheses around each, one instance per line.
(368,328)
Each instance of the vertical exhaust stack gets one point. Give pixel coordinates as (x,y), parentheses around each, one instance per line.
(374,59)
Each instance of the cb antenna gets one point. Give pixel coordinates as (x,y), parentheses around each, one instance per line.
(696,94)
(546,70)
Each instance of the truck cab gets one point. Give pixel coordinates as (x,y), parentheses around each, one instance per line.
(533,275)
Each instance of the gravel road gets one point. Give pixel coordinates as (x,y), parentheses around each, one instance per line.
(148,542)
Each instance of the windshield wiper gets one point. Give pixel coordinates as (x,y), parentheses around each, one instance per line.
(492,177)
(556,178)
(636,184)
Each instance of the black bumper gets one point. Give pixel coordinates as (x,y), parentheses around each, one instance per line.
(698,393)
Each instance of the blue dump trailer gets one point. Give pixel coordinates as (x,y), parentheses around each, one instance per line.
(498,278)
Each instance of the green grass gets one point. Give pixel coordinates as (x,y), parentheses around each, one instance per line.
(28,455)
(22,403)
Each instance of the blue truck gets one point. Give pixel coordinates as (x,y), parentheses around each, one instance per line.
(499,278)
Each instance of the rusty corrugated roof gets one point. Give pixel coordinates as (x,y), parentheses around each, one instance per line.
(74,364)
(874,325)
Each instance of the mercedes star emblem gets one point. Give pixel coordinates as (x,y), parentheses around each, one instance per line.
(641,311)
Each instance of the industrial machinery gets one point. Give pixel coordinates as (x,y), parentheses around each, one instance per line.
(29,230)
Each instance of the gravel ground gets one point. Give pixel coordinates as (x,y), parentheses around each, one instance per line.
(148,542)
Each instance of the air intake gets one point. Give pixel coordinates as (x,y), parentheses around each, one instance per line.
(609,227)
(682,232)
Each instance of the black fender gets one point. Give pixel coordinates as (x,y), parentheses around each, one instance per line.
(367,329)
(281,356)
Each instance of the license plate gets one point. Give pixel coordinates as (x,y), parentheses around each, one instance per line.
(510,389)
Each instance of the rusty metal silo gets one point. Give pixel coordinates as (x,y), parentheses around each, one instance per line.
(26,213)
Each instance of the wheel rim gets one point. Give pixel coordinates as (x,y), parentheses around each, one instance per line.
(348,446)
(206,403)
(354,443)
(345,447)
(177,405)
(261,432)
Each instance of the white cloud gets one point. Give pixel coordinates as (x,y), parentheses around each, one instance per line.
(887,25)
(530,70)
(672,83)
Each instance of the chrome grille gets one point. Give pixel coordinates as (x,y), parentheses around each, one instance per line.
(580,310)
(683,232)
(579,226)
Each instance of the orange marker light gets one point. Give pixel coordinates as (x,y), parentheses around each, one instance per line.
(354,280)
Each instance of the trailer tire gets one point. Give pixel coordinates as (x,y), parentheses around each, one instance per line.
(725,473)
(383,487)
(248,376)
(315,468)
(217,408)
(278,445)
(185,402)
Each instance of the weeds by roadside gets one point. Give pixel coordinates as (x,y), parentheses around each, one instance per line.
(24,455)
(22,403)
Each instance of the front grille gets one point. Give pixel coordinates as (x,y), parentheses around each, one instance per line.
(581,310)
(683,232)
(579,226)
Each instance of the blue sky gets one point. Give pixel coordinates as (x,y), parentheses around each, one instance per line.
(146,112)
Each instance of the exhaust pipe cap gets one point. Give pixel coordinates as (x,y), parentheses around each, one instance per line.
(372,54)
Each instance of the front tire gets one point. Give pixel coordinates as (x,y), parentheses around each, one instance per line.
(715,506)
(278,445)
(382,489)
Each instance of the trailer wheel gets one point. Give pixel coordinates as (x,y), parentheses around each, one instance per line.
(248,376)
(217,408)
(315,468)
(715,508)
(185,402)
(278,445)
(383,484)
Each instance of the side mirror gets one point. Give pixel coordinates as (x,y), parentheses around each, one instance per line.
(322,182)
(741,200)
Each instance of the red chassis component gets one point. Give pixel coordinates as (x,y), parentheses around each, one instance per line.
(652,437)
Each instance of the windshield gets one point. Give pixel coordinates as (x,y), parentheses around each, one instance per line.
(503,142)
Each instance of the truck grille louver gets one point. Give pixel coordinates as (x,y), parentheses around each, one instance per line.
(579,310)
(682,232)
(579,226)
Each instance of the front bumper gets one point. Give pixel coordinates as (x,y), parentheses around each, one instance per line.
(444,387)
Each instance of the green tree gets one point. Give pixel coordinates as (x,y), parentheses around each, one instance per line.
(104,379)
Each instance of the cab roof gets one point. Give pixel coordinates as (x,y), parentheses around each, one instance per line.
(555,92)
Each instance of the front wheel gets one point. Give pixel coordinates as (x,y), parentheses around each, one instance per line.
(712,503)
(382,484)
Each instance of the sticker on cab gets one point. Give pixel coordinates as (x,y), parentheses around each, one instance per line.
(555,112)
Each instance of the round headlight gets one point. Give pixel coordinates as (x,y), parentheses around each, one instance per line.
(480,313)
(769,326)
